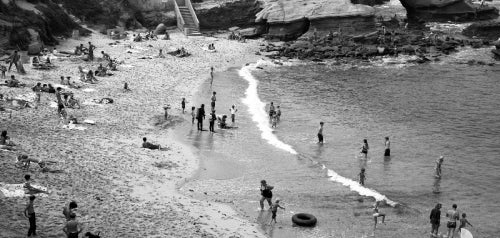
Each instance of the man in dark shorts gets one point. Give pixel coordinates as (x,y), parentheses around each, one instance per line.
(453,217)
(387,147)
(200,116)
(267,194)
(435,218)
(60,104)
(320,133)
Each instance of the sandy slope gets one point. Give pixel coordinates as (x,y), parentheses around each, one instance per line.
(118,189)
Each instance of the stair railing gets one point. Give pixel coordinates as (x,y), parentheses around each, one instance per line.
(180,21)
(193,13)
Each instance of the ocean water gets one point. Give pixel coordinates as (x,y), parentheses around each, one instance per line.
(446,108)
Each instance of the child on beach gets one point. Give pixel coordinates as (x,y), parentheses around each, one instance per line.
(320,133)
(193,114)
(463,222)
(274,120)
(274,210)
(377,214)
(183,105)
(362,177)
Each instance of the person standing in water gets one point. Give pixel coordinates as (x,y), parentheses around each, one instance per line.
(439,162)
(320,133)
(274,210)
(387,147)
(453,217)
(271,111)
(193,114)
(435,218)
(211,120)
(362,177)
(213,98)
(278,113)
(365,148)
(233,111)
(267,194)
(200,116)
(29,212)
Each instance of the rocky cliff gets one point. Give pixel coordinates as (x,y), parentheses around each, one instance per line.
(238,13)
(290,19)
(446,10)
(24,22)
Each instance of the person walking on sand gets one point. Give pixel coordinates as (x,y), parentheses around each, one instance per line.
(29,212)
(267,194)
(377,214)
(200,116)
(320,133)
(72,227)
(439,163)
(365,148)
(453,217)
(435,218)
(213,99)
(183,105)
(233,111)
(211,75)
(14,58)
(212,121)
(60,102)
(274,210)
(91,51)
(387,147)
(193,114)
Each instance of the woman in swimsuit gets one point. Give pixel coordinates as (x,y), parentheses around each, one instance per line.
(267,194)
(365,148)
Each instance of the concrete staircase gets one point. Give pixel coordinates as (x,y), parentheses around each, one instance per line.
(192,29)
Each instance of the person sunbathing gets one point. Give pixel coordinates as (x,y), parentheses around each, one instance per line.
(30,189)
(101,71)
(112,64)
(13,82)
(90,77)
(105,56)
(5,142)
(147,145)
(25,161)
(72,102)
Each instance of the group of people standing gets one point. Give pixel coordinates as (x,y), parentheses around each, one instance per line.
(200,115)
(453,218)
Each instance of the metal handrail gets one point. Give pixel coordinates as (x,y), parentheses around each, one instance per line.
(193,14)
(180,21)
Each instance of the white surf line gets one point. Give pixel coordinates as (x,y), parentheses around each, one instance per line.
(256,108)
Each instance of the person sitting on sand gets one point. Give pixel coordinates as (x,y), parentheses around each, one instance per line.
(147,145)
(51,89)
(29,188)
(138,38)
(105,56)
(13,82)
(71,102)
(45,89)
(112,64)
(101,71)
(5,142)
(167,36)
(126,88)
(160,54)
(90,77)
(25,162)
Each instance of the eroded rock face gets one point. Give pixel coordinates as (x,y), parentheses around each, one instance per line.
(446,10)
(487,30)
(239,13)
(294,17)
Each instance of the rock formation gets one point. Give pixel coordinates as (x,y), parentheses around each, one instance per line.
(486,30)
(288,20)
(25,22)
(446,10)
(238,13)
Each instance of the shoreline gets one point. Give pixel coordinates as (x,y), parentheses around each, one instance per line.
(118,175)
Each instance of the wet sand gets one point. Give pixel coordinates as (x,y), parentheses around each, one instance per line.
(122,189)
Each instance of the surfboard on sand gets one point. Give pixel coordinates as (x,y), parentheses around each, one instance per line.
(464,233)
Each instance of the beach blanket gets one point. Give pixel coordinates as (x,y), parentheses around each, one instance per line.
(88,90)
(17,190)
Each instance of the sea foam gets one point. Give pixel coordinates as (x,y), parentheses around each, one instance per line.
(257,109)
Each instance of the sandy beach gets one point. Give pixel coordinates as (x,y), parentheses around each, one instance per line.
(122,190)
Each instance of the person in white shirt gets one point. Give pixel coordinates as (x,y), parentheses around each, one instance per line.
(233,111)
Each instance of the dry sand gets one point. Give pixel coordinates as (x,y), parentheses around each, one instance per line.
(119,190)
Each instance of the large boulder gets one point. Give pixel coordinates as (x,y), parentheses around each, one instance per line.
(35,48)
(160,29)
(296,17)
(239,13)
(446,10)
(487,30)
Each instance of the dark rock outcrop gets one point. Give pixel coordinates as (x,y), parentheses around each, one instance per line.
(487,30)
(446,10)
(369,2)
(239,13)
(290,19)
(34,22)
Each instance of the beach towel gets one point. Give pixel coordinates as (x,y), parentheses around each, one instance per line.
(72,126)
(17,190)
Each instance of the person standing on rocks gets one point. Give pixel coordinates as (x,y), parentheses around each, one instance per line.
(267,194)
(200,116)
(14,58)
(29,212)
